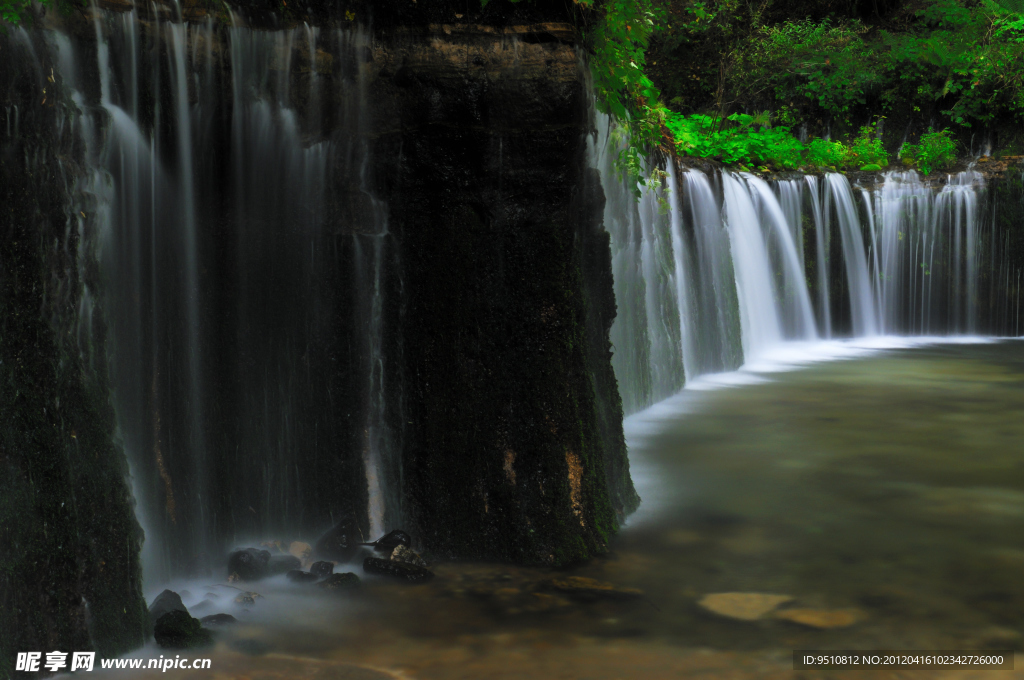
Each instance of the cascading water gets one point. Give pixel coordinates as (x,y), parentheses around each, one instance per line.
(242,249)
(794,260)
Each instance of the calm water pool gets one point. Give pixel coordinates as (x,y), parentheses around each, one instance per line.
(884,495)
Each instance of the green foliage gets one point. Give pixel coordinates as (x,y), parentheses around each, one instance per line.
(936,151)
(14,11)
(750,140)
(866,149)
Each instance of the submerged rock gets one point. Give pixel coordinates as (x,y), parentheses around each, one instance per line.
(249,564)
(591,589)
(402,570)
(821,619)
(742,606)
(391,540)
(177,630)
(408,556)
(218,620)
(322,569)
(339,581)
(282,564)
(297,576)
(341,543)
(166,602)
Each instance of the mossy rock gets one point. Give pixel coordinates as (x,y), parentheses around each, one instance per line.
(871,167)
(178,630)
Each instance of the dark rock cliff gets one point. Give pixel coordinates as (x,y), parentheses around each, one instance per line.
(514,444)
(69,565)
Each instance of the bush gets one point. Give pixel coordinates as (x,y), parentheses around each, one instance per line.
(937,151)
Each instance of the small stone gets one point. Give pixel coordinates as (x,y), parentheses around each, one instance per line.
(248,598)
(404,554)
(177,630)
(742,606)
(296,576)
(218,620)
(301,550)
(249,564)
(821,618)
(402,570)
(322,569)
(337,582)
(590,589)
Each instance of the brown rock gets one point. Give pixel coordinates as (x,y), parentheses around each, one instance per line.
(742,606)
(821,618)
(301,550)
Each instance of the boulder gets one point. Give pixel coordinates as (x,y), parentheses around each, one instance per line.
(249,564)
(402,570)
(336,582)
(165,602)
(282,564)
(341,543)
(297,576)
(301,550)
(322,569)
(408,556)
(218,620)
(177,630)
(391,540)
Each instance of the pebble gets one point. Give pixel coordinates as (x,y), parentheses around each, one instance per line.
(742,606)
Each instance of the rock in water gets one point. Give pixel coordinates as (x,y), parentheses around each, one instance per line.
(282,564)
(404,554)
(742,606)
(301,550)
(177,630)
(322,569)
(402,570)
(218,619)
(582,587)
(821,618)
(336,582)
(165,602)
(341,543)
(391,540)
(296,576)
(249,564)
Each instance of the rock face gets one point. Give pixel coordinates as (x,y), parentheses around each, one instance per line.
(512,443)
(69,535)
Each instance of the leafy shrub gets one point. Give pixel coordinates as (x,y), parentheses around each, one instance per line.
(936,151)
(866,149)
(827,154)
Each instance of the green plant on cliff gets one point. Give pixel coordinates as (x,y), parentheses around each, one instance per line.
(936,151)
(14,11)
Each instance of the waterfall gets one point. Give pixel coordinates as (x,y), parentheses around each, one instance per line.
(241,248)
(740,266)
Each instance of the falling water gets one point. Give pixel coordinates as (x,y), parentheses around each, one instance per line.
(733,270)
(243,248)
